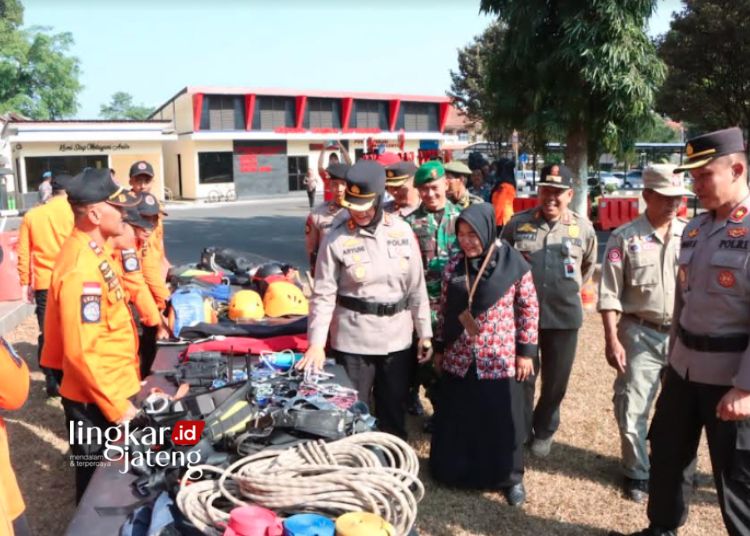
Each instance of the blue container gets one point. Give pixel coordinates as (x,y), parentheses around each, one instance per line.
(309,525)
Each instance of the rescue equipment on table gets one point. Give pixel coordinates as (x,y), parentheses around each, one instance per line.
(284,299)
(188,307)
(370,472)
(245,305)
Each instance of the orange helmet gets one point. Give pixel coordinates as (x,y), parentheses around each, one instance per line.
(284,298)
(246,305)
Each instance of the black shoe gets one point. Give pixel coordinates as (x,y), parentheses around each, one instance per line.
(427,426)
(415,404)
(651,531)
(516,494)
(636,490)
(51,386)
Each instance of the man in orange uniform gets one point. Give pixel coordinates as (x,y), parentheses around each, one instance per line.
(140,269)
(141,181)
(43,231)
(14,388)
(89,320)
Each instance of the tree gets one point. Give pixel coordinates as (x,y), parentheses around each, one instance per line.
(121,107)
(707,52)
(38,78)
(583,69)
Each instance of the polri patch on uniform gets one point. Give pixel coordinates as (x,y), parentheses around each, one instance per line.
(130,261)
(91,308)
(726,279)
(614,255)
(739,214)
(737,232)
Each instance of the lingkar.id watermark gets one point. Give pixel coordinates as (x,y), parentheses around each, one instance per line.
(138,447)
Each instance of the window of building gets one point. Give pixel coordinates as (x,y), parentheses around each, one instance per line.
(370,114)
(70,165)
(215,167)
(463,135)
(297,172)
(223,112)
(418,117)
(322,113)
(273,112)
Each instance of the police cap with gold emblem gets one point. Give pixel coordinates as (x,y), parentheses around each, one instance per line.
(337,171)
(701,150)
(96,185)
(457,169)
(428,172)
(365,182)
(556,176)
(398,173)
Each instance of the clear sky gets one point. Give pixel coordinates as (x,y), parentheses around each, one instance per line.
(153,48)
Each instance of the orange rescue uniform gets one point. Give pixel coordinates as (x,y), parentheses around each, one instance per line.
(128,263)
(502,200)
(14,389)
(152,266)
(43,231)
(90,332)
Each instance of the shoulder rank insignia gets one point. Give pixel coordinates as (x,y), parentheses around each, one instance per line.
(692,233)
(737,232)
(91,306)
(739,214)
(95,248)
(130,261)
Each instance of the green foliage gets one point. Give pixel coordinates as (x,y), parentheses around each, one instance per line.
(38,78)
(580,70)
(707,52)
(121,107)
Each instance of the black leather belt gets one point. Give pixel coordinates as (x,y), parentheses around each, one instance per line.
(371,308)
(708,343)
(663,328)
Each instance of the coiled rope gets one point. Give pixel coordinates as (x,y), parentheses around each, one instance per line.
(372,471)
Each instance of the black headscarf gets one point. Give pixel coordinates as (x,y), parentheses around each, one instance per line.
(506,266)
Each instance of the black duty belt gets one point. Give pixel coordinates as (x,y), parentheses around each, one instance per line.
(663,328)
(707,343)
(371,308)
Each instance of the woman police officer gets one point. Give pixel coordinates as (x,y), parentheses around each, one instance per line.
(370,291)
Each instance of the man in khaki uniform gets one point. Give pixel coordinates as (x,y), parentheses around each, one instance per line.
(370,290)
(399,182)
(321,218)
(707,383)
(457,175)
(560,245)
(639,273)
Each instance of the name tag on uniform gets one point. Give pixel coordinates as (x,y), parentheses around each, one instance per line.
(130,261)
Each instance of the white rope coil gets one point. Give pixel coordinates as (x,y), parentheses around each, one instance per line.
(373,472)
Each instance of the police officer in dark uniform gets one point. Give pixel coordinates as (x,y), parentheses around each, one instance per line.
(707,382)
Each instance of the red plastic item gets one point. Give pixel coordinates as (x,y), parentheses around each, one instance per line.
(10,284)
(253,521)
(616,211)
(250,345)
(682,211)
(524,203)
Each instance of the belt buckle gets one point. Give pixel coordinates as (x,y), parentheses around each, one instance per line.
(386,309)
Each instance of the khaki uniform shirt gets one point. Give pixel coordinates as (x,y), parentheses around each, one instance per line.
(468,199)
(318,223)
(391,208)
(639,271)
(381,267)
(714,296)
(562,256)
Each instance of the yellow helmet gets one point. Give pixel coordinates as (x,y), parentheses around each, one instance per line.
(246,305)
(284,298)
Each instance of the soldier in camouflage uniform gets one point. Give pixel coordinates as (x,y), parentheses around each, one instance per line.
(457,174)
(434,224)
